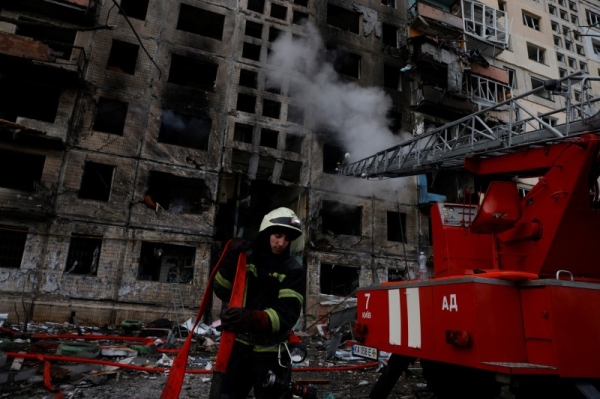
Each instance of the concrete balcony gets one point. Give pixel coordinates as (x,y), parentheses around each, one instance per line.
(485,28)
(81,12)
(426,19)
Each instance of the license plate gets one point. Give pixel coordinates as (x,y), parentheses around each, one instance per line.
(365,351)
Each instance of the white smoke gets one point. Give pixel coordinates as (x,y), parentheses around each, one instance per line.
(356,115)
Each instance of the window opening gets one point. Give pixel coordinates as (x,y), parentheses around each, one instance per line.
(347,64)
(396,226)
(184,130)
(390,35)
(343,19)
(123,57)
(562,72)
(298,17)
(273,33)
(279,12)
(295,114)
(557,41)
(338,280)
(564,15)
(596,47)
(96,181)
(201,22)
(248,78)
(338,218)
(256,5)
(560,57)
(583,66)
(253,29)
(293,143)
(555,27)
(84,254)
(535,83)
(251,51)
(246,103)
(303,3)
(593,19)
(178,195)
(536,53)
(391,77)
(512,78)
(269,138)
(43,106)
(192,73)
(243,133)
(135,8)
(110,116)
(12,246)
(166,263)
(531,21)
(25,170)
(572,63)
(395,121)
(552,10)
(333,156)
(271,109)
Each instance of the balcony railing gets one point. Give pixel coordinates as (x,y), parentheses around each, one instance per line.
(487,90)
(485,23)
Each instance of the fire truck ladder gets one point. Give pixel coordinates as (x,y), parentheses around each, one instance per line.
(446,147)
(178,306)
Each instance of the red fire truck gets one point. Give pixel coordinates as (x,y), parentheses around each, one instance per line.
(515,297)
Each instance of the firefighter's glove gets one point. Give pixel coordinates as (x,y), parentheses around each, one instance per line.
(236,246)
(244,320)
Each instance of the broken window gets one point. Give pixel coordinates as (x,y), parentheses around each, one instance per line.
(512,77)
(291,171)
(96,181)
(562,72)
(564,15)
(166,263)
(243,133)
(558,41)
(269,138)
(202,22)
(135,8)
(298,17)
(560,57)
(184,130)
(274,33)
(59,40)
(502,5)
(596,47)
(574,19)
(84,254)
(346,63)
(28,99)
(583,66)
(295,114)
(256,5)
(21,171)
(277,11)
(343,19)
(271,109)
(391,77)
(389,35)
(253,29)
(110,116)
(123,57)
(251,51)
(396,226)
(192,73)
(536,83)
(531,21)
(12,246)
(338,218)
(303,3)
(593,19)
(176,194)
(569,45)
(572,63)
(549,120)
(293,143)
(572,6)
(338,280)
(535,53)
(580,50)
(246,103)
(333,157)
(552,9)
(248,78)
(555,27)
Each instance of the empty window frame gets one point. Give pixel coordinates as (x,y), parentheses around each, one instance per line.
(110,116)
(271,109)
(29,99)
(134,8)
(572,63)
(248,78)
(560,57)
(338,280)
(269,138)
(343,19)
(178,195)
(256,6)
(549,120)
(552,10)
(246,103)
(576,35)
(580,50)
(569,45)
(512,77)
(201,22)
(123,57)
(531,21)
(583,66)
(12,246)
(274,33)
(394,121)
(535,53)
(555,27)
(593,19)
(299,17)
(564,15)
(562,3)
(566,31)
(253,29)
(396,226)
(572,6)
(502,5)
(562,72)
(535,83)
(391,77)
(166,263)
(293,143)
(596,46)
(184,130)
(557,41)
(295,114)
(96,181)
(389,35)
(333,156)
(347,64)
(60,40)
(251,51)
(279,12)
(84,254)
(192,73)
(243,133)
(574,19)
(303,3)
(338,218)
(22,171)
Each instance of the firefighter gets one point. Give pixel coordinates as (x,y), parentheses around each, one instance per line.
(275,289)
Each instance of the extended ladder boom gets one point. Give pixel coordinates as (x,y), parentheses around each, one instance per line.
(447,146)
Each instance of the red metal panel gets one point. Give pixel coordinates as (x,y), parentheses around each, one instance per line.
(538,326)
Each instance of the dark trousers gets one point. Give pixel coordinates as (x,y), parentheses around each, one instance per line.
(248,369)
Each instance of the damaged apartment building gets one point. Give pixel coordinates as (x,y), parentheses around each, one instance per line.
(137,136)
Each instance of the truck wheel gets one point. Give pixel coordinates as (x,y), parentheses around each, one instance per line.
(448,381)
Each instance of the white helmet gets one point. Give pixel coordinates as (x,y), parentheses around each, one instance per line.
(282,217)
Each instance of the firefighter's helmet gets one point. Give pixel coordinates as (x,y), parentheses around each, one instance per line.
(282,218)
